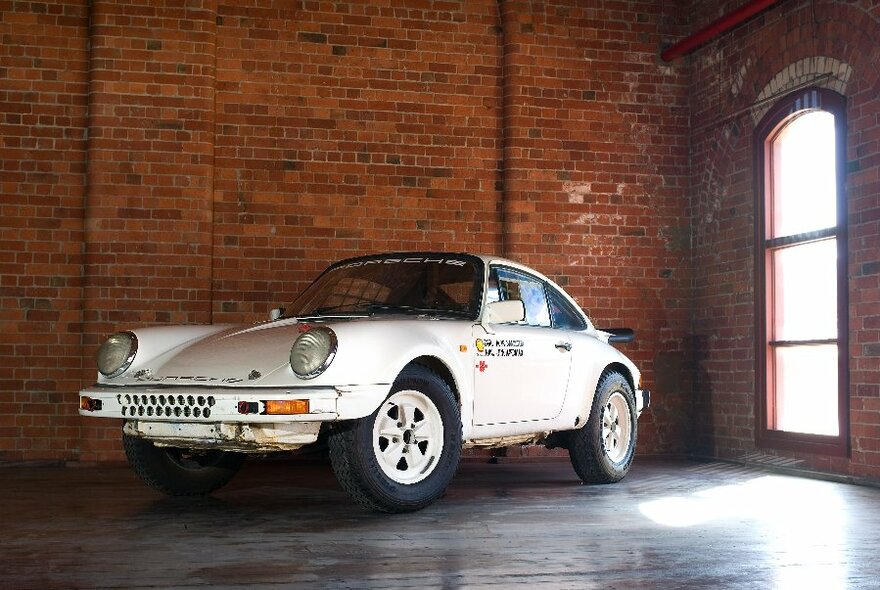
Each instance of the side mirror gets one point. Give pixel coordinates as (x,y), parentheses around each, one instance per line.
(505,312)
(276,313)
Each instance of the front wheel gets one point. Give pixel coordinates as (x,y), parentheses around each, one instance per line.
(403,456)
(180,472)
(602,451)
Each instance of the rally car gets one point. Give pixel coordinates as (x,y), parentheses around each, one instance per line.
(398,361)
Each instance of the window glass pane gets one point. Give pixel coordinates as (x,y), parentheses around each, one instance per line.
(804,283)
(492,294)
(389,285)
(513,285)
(803,170)
(806,389)
(564,317)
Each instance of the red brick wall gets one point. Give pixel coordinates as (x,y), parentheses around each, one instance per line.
(236,148)
(43,90)
(771,54)
(349,129)
(595,179)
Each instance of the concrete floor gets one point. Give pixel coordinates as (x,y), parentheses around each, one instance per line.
(670,524)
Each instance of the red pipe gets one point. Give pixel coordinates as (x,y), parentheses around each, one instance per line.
(722,25)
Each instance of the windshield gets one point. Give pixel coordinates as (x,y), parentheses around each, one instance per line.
(436,284)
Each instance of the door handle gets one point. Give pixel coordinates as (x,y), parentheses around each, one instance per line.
(566,346)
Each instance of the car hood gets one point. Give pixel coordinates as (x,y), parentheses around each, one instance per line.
(237,355)
(259,355)
(210,355)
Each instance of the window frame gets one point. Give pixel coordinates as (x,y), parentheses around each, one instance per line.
(766,132)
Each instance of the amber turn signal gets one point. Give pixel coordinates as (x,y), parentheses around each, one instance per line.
(287,406)
(89,404)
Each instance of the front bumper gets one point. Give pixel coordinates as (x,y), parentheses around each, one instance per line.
(228,418)
(225,404)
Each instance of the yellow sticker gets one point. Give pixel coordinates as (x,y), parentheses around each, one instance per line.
(480,345)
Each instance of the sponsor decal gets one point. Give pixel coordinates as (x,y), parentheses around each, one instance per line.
(500,347)
(482,366)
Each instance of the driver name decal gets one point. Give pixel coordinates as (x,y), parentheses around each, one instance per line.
(500,347)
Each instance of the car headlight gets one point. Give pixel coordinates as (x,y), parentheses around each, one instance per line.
(312,352)
(117,353)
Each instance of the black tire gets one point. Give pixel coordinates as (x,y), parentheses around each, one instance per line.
(363,458)
(606,459)
(181,472)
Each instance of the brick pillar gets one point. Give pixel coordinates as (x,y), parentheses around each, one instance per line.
(148,217)
(517,210)
(43,90)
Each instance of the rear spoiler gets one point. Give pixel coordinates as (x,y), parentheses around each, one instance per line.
(619,335)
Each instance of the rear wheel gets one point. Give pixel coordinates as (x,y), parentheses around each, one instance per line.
(602,451)
(181,472)
(403,456)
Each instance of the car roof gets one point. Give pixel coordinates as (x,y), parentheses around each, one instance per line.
(487,259)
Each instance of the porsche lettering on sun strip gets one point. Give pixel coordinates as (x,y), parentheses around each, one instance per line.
(411,260)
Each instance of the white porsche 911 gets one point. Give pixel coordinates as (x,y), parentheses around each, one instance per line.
(401,360)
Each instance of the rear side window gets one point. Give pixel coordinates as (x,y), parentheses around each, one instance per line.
(562,314)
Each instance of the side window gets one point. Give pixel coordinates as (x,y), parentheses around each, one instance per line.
(562,314)
(515,285)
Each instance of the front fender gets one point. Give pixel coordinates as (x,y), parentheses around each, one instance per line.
(376,351)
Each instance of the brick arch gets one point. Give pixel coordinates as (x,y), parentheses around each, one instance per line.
(821,72)
(825,48)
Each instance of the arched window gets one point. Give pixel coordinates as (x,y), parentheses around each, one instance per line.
(802,401)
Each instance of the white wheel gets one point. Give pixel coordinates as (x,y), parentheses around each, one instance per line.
(408,437)
(602,450)
(616,427)
(402,456)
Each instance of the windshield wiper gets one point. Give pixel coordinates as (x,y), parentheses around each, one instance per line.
(343,309)
(375,308)
(408,309)
(378,308)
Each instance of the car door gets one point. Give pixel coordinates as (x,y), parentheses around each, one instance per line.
(521,370)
